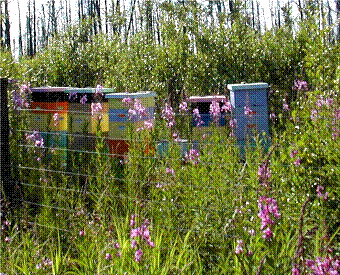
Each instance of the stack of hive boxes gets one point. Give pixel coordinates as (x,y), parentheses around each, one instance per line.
(82,124)
(119,118)
(250,110)
(46,102)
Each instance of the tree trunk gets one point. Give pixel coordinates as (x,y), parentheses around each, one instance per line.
(7,27)
(338,18)
(20,32)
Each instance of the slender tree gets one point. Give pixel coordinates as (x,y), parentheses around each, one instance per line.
(337,4)
(20,32)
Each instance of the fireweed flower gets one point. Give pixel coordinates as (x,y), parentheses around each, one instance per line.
(272,116)
(293,153)
(168,115)
(227,107)
(300,85)
(148,124)
(324,266)
(239,248)
(137,111)
(96,108)
(83,100)
(197,117)
(314,114)
(264,173)
(193,156)
(138,255)
(127,101)
(183,107)
(170,171)
(248,111)
(108,256)
(319,190)
(99,93)
(215,111)
(297,162)
(232,124)
(268,213)
(285,106)
(73,96)
(56,119)
(36,138)
(81,233)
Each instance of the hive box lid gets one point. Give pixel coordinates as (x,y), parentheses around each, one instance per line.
(88,90)
(49,89)
(247,86)
(131,95)
(207,98)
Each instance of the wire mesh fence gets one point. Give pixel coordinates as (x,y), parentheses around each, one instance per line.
(202,180)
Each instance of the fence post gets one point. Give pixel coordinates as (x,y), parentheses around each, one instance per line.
(5,174)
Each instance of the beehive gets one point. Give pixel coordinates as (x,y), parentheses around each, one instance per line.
(119,118)
(47,101)
(255,120)
(203,104)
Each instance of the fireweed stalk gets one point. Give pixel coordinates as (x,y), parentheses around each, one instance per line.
(140,236)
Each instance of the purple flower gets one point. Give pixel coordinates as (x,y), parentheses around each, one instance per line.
(293,153)
(132,220)
(137,112)
(232,123)
(193,156)
(148,125)
(150,243)
(264,173)
(324,266)
(138,255)
(99,91)
(135,232)
(170,171)
(133,243)
(73,96)
(248,111)
(36,139)
(239,248)
(117,245)
(297,162)
(183,107)
(227,107)
(56,119)
(168,115)
(215,111)
(197,117)
(7,239)
(267,233)
(268,213)
(108,256)
(319,190)
(96,108)
(83,100)
(295,271)
(285,106)
(300,85)
(127,101)
(314,114)
(272,116)
(82,233)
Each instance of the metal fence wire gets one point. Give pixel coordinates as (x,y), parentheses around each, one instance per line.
(155,175)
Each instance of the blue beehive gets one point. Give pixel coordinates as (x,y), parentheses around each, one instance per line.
(250,109)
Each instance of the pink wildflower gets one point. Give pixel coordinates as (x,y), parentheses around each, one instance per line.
(183,107)
(138,255)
